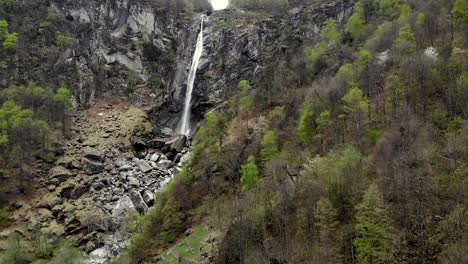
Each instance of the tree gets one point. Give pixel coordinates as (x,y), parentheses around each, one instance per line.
(460,12)
(306,126)
(355,107)
(249,172)
(3,29)
(405,13)
(316,58)
(269,146)
(11,42)
(63,41)
(356,26)
(246,99)
(374,228)
(329,32)
(327,225)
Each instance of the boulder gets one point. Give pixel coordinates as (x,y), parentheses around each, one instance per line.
(164,164)
(175,144)
(59,174)
(138,143)
(157,143)
(133,181)
(155,157)
(123,207)
(138,202)
(144,166)
(91,167)
(78,191)
(148,197)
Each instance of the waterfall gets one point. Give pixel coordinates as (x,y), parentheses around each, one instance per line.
(184,125)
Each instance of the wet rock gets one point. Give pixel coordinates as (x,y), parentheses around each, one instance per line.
(59,174)
(138,202)
(92,167)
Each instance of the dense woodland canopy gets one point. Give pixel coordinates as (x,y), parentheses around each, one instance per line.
(357,153)
(353,150)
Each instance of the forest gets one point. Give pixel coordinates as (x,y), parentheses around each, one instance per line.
(354,151)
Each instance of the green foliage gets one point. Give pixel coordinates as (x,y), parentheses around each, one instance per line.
(11,42)
(315,57)
(270,146)
(5,220)
(63,96)
(389,8)
(374,228)
(51,15)
(63,41)
(460,12)
(306,126)
(66,254)
(7,3)
(246,99)
(326,215)
(345,75)
(355,101)
(3,29)
(405,13)
(406,36)
(364,59)
(249,171)
(420,20)
(330,32)
(343,174)
(356,26)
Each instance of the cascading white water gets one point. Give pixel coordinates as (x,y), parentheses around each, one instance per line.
(184,125)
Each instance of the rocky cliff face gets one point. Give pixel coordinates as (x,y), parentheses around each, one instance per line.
(131,47)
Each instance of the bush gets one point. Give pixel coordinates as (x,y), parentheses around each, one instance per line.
(11,42)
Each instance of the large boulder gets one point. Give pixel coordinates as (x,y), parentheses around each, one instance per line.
(91,167)
(59,174)
(175,144)
(138,143)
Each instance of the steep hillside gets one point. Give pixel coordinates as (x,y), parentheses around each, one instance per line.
(321,131)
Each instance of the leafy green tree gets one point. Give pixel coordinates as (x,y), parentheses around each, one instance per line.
(316,58)
(330,32)
(405,13)
(327,225)
(374,228)
(270,146)
(460,12)
(355,102)
(11,42)
(306,126)
(356,25)
(249,171)
(246,99)
(342,173)
(364,60)
(345,76)
(3,29)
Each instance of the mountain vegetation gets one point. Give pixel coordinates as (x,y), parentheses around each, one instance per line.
(364,162)
(353,149)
